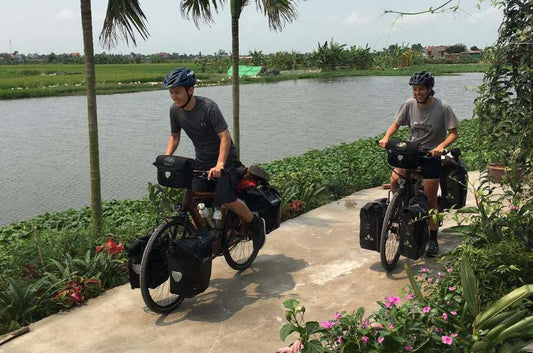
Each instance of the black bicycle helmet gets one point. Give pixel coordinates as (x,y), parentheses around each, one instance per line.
(422,78)
(182,76)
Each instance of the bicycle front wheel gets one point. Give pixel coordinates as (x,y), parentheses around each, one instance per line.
(389,247)
(239,251)
(154,281)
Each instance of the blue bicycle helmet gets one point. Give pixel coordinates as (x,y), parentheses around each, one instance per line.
(182,76)
(422,78)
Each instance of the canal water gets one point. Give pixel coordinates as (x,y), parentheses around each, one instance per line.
(44,157)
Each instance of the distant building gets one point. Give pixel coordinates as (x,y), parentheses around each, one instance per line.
(471,54)
(436,52)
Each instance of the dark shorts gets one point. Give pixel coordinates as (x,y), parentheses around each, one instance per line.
(430,168)
(223,186)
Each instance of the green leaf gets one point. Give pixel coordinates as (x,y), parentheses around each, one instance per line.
(503,303)
(313,346)
(291,304)
(312,327)
(468,281)
(286,330)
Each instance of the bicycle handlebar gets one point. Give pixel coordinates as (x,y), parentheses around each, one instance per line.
(424,151)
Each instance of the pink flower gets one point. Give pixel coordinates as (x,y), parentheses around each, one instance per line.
(410,296)
(77,297)
(513,208)
(339,339)
(380,339)
(426,309)
(425,270)
(445,316)
(454,313)
(376,326)
(364,339)
(451,289)
(447,340)
(388,305)
(440,274)
(438,330)
(447,303)
(391,326)
(450,270)
(366,323)
(338,316)
(408,348)
(454,335)
(296,348)
(328,324)
(430,279)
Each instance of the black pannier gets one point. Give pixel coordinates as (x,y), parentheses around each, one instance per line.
(414,227)
(174,171)
(453,184)
(371,222)
(157,270)
(189,263)
(266,201)
(403,154)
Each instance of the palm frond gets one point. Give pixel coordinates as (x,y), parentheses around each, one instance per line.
(123,18)
(200,10)
(278,12)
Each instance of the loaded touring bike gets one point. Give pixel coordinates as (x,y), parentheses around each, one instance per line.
(398,224)
(174,261)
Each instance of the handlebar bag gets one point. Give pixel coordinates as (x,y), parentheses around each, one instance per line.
(189,262)
(157,269)
(266,201)
(174,171)
(371,221)
(403,154)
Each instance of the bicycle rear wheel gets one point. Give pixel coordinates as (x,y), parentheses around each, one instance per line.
(157,295)
(389,248)
(239,251)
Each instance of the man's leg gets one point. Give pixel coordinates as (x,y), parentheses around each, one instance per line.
(395,175)
(431,187)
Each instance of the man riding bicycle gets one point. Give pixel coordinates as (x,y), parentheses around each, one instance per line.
(433,124)
(202,121)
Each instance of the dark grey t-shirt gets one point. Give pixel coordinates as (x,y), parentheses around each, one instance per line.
(202,125)
(428,125)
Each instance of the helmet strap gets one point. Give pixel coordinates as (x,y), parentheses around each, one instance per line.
(189,96)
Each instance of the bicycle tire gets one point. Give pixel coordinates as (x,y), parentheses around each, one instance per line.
(159,299)
(389,247)
(239,251)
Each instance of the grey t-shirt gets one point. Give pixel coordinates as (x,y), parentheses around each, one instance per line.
(202,125)
(428,125)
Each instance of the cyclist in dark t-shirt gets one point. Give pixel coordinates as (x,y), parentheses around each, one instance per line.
(202,121)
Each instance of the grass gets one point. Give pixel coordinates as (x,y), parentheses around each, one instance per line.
(46,80)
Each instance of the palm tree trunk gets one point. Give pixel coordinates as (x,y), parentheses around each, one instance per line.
(235,14)
(96,198)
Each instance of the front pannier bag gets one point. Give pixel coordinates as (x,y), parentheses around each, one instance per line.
(157,269)
(371,222)
(266,201)
(415,227)
(189,263)
(403,154)
(174,171)
(453,184)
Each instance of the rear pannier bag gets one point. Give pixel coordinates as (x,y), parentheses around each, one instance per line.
(453,184)
(189,263)
(403,154)
(174,171)
(266,201)
(414,227)
(157,269)
(371,222)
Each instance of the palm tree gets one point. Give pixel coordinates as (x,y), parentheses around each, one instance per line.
(278,12)
(122,14)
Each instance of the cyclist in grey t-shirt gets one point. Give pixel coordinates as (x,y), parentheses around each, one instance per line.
(433,123)
(203,122)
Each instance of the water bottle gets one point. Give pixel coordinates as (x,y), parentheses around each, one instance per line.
(217,217)
(204,212)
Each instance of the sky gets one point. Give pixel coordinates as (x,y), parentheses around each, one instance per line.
(32,26)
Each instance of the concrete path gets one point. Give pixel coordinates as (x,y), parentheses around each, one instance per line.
(314,258)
